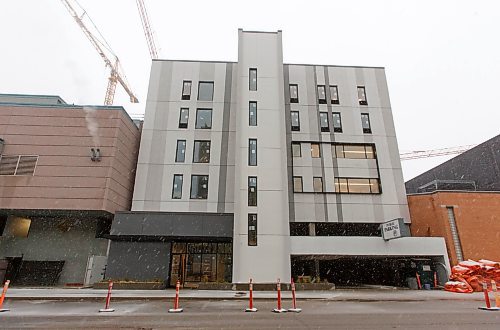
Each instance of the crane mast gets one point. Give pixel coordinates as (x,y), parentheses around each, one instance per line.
(146,26)
(102,47)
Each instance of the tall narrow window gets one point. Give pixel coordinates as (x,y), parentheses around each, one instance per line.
(199,186)
(180,155)
(296,149)
(362,95)
(297,184)
(365,123)
(321,94)
(252,229)
(337,122)
(318,184)
(323,120)
(370,151)
(201,152)
(252,76)
(203,118)
(315,150)
(252,152)
(183,118)
(186,89)
(252,191)
(177,186)
(205,91)
(294,93)
(252,113)
(295,120)
(334,94)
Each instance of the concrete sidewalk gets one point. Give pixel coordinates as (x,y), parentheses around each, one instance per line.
(73,294)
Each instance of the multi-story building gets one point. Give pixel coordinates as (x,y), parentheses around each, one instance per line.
(64,171)
(264,170)
(460,201)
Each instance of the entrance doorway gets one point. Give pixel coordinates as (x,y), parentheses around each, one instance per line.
(193,263)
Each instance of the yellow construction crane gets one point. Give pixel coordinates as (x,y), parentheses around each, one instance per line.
(104,50)
(434,152)
(148,31)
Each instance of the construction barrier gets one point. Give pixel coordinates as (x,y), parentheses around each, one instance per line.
(294,301)
(108,299)
(250,302)
(435,280)
(418,282)
(279,309)
(176,308)
(2,298)
(468,276)
(487,300)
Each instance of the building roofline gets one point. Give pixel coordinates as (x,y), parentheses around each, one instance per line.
(297,64)
(455,191)
(44,96)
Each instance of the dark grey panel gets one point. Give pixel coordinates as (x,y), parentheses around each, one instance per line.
(153,224)
(139,261)
(289,160)
(480,164)
(225,139)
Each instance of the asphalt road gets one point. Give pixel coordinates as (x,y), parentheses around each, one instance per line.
(228,314)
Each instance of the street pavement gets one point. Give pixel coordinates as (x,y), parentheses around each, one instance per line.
(229,314)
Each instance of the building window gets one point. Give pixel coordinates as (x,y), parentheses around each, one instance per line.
(203,118)
(17,227)
(318,184)
(252,113)
(357,185)
(337,122)
(201,152)
(334,94)
(362,95)
(354,151)
(205,91)
(252,229)
(252,83)
(321,94)
(177,186)
(296,149)
(315,150)
(365,123)
(186,89)
(294,93)
(252,152)
(252,191)
(199,186)
(297,184)
(323,121)
(294,115)
(18,164)
(180,155)
(183,118)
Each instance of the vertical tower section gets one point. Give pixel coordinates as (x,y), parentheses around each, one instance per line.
(261,217)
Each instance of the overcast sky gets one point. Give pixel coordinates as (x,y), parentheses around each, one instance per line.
(442,58)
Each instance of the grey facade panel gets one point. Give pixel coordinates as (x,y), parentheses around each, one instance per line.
(173,224)
(140,261)
(480,164)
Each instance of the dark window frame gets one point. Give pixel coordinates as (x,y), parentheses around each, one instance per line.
(367,130)
(337,129)
(300,149)
(250,84)
(250,163)
(173,186)
(194,151)
(319,149)
(361,101)
(252,196)
(183,153)
(213,90)
(250,123)
(301,184)
(191,188)
(252,229)
(184,95)
(196,121)
(327,127)
(295,128)
(322,184)
(293,99)
(321,101)
(181,123)
(369,181)
(333,100)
